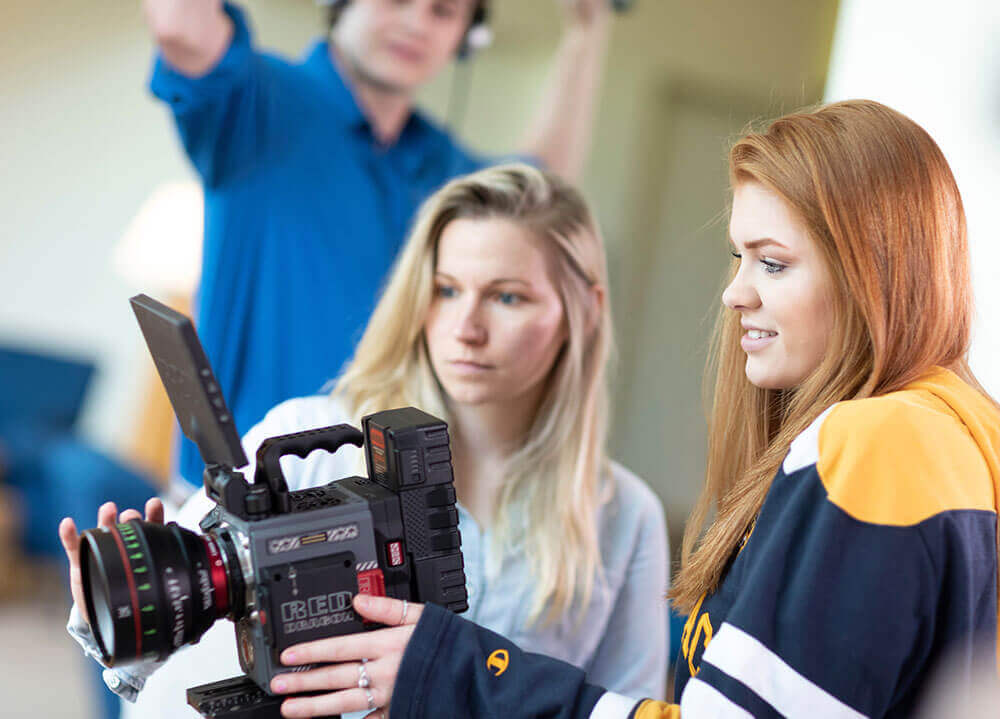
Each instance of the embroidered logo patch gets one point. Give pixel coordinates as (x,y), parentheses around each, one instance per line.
(497,662)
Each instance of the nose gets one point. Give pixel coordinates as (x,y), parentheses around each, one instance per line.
(470,328)
(740,295)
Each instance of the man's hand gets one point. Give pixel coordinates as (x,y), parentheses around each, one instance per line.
(106,514)
(192,34)
(586,15)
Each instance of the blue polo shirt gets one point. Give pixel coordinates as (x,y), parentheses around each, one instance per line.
(304,214)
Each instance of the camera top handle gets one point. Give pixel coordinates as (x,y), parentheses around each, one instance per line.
(270,452)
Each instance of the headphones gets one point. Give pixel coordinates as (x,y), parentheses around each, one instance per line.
(477,37)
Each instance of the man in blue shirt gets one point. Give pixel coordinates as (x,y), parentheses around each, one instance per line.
(313,170)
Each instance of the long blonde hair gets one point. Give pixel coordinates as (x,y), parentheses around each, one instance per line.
(554,489)
(880,201)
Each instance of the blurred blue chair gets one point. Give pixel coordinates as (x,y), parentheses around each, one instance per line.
(54,472)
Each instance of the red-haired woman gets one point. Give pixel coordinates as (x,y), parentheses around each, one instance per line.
(853,469)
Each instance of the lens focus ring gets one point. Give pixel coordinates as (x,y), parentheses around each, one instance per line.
(150,588)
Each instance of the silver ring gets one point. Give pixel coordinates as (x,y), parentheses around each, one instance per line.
(370,698)
(363,681)
(406,606)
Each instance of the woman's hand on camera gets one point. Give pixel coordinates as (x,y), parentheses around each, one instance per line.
(361,668)
(106,514)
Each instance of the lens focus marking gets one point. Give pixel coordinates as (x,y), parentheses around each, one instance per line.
(139,564)
(131,585)
(152,588)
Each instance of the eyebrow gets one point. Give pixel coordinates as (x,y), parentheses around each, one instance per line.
(498,281)
(760,242)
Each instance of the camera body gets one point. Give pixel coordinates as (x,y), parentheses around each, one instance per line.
(302,556)
(283,565)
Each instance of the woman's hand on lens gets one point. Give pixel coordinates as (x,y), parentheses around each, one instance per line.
(106,514)
(361,668)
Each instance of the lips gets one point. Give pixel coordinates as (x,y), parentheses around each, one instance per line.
(408,53)
(469,366)
(756,339)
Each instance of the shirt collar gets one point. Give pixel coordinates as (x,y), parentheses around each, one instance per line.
(317,62)
(417,133)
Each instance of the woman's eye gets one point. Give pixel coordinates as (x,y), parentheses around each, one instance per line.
(735,254)
(446,291)
(771,267)
(509,298)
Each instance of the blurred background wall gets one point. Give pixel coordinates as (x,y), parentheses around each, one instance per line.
(943,70)
(83,145)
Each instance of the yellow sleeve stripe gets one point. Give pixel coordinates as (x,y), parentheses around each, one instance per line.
(650,709)
(900,459)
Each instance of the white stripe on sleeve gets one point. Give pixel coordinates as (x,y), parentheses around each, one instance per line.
(703,701)
(613,706)
(745,659)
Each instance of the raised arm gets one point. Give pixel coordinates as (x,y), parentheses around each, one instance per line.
(192,34)
(221,96)
(559,133)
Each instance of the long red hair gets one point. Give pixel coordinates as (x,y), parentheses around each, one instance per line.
(880,201)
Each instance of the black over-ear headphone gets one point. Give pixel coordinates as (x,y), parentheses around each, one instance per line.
(477,36)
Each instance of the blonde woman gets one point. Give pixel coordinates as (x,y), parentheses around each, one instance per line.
(496,319)
(853,467)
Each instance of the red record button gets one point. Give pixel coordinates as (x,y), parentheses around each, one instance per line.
(395,552)
(371,582)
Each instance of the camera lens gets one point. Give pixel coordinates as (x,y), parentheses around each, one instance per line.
(152,588)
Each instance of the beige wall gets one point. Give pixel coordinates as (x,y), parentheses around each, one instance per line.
(683,78)
(82,144)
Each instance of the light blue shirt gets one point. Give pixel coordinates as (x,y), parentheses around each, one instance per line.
(621,641)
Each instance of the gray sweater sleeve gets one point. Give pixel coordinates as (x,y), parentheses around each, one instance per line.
(125,681)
